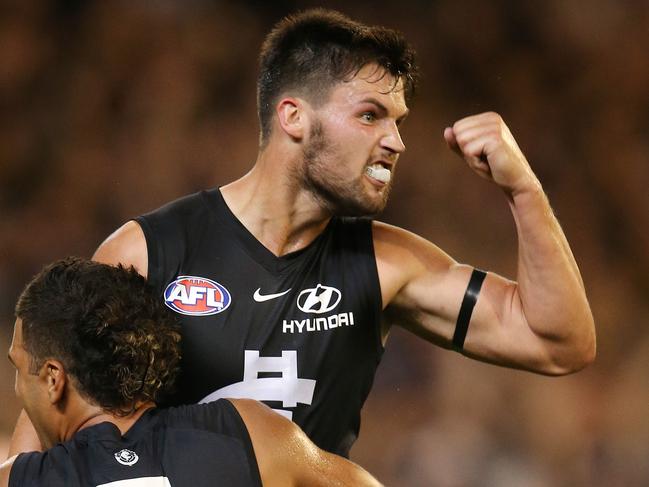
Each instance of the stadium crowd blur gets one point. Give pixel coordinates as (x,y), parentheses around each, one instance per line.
(111,108)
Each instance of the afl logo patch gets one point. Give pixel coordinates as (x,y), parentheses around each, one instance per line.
(126,457)
(196,296)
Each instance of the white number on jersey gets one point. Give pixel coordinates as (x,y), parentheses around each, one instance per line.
(287,388)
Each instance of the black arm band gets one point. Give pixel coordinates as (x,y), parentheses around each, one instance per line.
(466,309)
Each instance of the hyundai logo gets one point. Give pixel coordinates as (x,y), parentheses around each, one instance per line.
(319,299)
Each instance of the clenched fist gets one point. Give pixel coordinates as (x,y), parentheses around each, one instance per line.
(488,147)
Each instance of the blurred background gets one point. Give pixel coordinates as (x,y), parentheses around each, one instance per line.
(109,109)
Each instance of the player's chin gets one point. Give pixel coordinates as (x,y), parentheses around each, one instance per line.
(365,207)
(374,204)
(361,200)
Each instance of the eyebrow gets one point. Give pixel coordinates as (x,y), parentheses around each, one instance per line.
(383,108)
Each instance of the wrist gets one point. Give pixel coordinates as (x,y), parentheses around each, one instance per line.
(528,197)
(528,187)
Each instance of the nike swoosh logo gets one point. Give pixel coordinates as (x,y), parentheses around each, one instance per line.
(260,298)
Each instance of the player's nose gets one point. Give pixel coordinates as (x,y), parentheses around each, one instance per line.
(392,140)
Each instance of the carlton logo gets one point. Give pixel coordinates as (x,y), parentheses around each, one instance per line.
(126,457)
(196,296)
(319,299)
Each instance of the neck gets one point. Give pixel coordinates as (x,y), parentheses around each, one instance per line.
(272,204)
(93,415)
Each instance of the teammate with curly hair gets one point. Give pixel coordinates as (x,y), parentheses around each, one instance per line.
(94,349)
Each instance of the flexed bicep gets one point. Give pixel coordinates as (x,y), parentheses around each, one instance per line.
(425,291)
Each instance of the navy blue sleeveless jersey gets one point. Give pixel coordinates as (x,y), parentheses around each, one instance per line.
(202,445)
(300,332)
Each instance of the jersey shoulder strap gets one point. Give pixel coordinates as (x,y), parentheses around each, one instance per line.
(169,232)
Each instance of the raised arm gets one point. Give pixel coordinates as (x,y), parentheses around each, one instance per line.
(542,322)
(287,458)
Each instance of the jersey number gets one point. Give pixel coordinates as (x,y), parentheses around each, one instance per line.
(284,385)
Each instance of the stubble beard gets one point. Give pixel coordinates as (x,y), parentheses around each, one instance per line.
(337,195)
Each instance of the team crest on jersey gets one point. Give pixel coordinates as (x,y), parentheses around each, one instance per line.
(126,457)
(196,296)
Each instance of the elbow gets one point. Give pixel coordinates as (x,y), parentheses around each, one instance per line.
(591,351)
(575,355)
(587,347)
(585,341)
(581,360)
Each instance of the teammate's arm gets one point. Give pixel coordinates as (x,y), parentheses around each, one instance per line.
(542,322)
(287,458)
(24,437)
(5,471)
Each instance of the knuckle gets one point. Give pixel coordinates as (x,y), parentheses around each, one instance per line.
(462,138)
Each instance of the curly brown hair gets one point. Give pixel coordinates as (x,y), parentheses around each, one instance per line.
(116,339)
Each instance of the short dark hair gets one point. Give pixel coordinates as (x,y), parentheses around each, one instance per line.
(311,51)
(116,339)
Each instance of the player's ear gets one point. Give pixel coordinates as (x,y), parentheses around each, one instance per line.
(56,380)
(291,117)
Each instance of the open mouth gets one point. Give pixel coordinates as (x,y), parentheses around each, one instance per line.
(378,172)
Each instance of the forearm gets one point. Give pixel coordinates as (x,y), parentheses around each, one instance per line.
(24,438)
(550,287)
